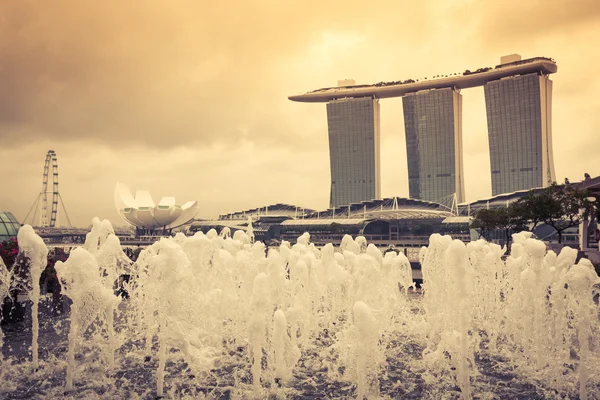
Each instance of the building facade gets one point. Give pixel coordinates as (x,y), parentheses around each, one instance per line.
(518,95)
(433,129)
(353,126)
(519,114)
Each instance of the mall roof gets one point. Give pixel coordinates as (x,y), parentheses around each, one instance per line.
(591,184)
(220,223)
(272,210)
(465,80)
(504,199)
(388,208)
(324,222)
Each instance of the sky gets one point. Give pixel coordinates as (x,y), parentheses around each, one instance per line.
(189,98)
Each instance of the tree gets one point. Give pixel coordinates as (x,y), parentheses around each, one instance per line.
(8,252)
(507,219)
(560,207)
(484,222)
(337,228)
(18,265)
(535,208)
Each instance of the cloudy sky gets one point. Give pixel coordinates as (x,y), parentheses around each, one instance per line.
(189,98)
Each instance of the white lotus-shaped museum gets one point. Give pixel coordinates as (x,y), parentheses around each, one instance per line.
(141,211)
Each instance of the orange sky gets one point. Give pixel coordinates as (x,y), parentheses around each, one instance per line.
(189,98)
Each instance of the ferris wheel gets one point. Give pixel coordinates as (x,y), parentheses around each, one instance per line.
(50,169)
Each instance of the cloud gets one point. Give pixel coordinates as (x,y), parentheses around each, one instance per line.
(222,178)
(165,73)
(510,21)
(189,98)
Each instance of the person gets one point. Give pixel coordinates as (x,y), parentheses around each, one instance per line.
(121,290)
(390,248)
(56,294)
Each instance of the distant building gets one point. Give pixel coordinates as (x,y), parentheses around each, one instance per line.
(519,118)
(266,221)
(353,126)
(346,82)
(542,231)
(273,210)
(148,218)
(433,127)
(518,97)
(9,226)
(399,221)
(511,58)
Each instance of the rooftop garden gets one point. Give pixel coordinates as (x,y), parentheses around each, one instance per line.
(465,73)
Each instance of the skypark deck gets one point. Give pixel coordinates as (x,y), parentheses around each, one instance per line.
(397,89)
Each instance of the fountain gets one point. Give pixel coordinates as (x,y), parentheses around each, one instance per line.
(33,247)
(214,315)
(80,281)
(4,292)
(366,350)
